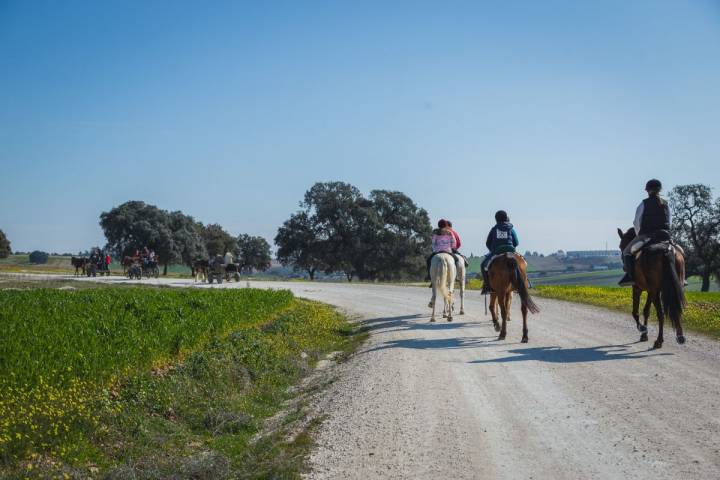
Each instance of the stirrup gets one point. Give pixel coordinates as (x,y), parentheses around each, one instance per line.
(626,281)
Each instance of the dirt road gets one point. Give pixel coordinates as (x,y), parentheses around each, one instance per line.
(447,400)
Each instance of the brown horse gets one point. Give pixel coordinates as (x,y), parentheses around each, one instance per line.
(79,263)
(507,275)
(659,271)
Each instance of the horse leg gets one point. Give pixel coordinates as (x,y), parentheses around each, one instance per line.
(661,320)
(462,295)
(504,315)
(525,329)
(432,304)
(493,311)
(449,306)
(646,316)
(636,307)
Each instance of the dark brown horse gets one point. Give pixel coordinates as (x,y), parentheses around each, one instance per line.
(659,271)
(79,263)
(507,275)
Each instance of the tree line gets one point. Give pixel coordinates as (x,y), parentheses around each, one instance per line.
(384,236)
(177,238)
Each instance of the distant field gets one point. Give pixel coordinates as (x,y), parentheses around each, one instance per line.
(702,314)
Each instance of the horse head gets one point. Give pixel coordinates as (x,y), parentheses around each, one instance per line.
(626,237)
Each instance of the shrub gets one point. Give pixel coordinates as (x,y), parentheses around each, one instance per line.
(39,257)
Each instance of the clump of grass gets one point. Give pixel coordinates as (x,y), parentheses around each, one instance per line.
(187,403)
(63,350)
(702,313)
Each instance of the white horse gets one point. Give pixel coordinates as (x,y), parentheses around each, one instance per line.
(443,275)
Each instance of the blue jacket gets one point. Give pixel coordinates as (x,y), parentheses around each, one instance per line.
(502,238)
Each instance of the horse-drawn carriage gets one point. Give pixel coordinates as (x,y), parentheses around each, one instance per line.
(215,270)
(138,267)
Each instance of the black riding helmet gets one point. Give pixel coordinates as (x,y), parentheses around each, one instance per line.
(653,185)
(501,216)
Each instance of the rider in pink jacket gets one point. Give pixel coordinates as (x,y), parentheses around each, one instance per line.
(442,241)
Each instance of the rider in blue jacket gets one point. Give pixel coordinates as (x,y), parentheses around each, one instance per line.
(501,239)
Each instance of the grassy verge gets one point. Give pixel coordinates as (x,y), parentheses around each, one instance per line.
(702,313)
(156,383)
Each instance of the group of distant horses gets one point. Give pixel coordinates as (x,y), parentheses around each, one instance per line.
(659,271)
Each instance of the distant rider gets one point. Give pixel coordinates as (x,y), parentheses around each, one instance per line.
(502,238)
(228,258)
(652,217)
(442,241)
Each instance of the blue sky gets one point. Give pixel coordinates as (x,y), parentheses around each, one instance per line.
(556,111)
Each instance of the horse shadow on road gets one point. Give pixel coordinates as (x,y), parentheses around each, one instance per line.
(557,354)
(437,343)
(406,322)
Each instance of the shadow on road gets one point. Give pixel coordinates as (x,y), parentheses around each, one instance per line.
(574,355)
(437,343)
(404,322)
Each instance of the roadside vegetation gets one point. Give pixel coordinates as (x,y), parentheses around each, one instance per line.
(702,313)
(140,382)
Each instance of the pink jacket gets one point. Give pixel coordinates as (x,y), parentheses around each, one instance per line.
(444,241)
(457,238)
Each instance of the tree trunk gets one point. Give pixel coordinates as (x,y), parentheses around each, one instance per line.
(349,276)
(311,272)
(705,280)
(165,270)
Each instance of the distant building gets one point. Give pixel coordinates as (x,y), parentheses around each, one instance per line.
(592,253)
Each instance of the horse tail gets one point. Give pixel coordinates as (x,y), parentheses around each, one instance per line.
(442,278)
(673,295)
(518,282)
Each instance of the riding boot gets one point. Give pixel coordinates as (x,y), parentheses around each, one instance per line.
(629,279)
(486,283)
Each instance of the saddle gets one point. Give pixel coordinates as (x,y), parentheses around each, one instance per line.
(658,243)
(506,255)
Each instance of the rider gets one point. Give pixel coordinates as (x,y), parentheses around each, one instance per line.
(652,217)
(502,238)
(228,258)
(456,253)
(442,241)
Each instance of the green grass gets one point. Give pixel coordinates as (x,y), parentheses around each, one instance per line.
(702,313)
(156,383)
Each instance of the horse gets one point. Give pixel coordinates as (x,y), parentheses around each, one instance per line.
(127,262)
(199,270)
(79,264)
(442,276)
(507,275)
(659,271)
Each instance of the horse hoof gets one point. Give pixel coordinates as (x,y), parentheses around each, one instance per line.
(430,305)
(450,319)
(497,327)
(657,345)
(642,328)
(524,340)
(432,320)
(643,337)
(501,337)
(681,339)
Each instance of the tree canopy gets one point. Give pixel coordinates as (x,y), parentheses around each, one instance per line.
(383,236)
(217,240)
(5,250)
(696,226)
(252,253)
